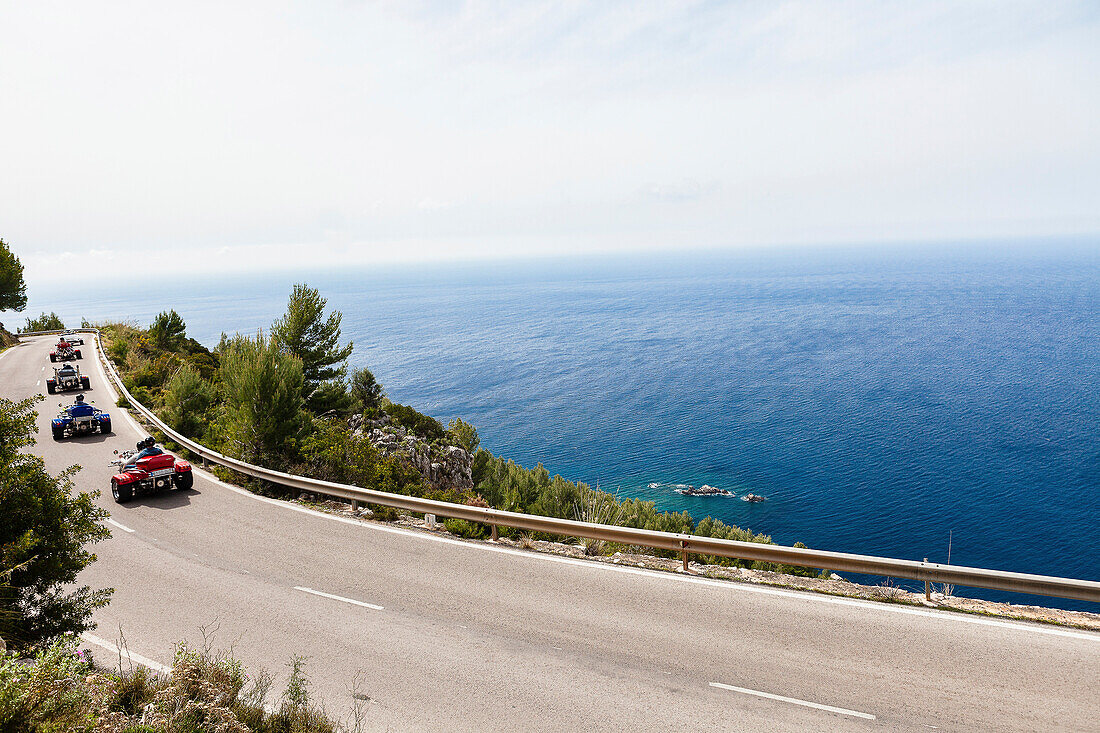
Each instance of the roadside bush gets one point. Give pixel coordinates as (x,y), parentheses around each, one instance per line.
(463,528)
(61,692)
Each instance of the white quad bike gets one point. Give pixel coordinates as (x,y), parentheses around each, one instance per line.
(67,378)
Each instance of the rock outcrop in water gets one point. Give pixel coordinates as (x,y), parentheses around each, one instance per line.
(443,466)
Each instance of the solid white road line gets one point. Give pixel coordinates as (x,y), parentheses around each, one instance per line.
(123,527)
(731,585)
(794,701)
(126,653)
(339,598)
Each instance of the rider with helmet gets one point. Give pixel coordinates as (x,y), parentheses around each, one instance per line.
(146,447)
(81,408)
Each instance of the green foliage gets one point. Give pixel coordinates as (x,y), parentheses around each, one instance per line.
(463,528)
(306,333)
(44,527)
(297,687)
(187,399)
(366,393)
(45,322)
(506,485)
(798,569)
(423,425)
(46,696)
(204,692)
(464,435)
(13,290)
(168,331)
(264,419)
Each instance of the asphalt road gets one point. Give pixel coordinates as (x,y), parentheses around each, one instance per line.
(434,634)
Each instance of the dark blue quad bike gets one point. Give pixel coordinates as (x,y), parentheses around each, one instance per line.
(80,418)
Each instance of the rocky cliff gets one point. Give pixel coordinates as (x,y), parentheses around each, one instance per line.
(443,466)
(6,339)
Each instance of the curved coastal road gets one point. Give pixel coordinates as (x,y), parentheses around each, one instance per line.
(434,634)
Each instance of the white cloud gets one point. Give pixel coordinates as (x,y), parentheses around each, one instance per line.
(258,133)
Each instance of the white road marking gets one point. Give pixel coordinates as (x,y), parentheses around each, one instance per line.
(123,527)
(126,654)
(7,351)
(795,701)
(672,577)
(38,383)
(339,598)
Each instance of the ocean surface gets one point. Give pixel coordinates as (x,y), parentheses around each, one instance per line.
(888,401)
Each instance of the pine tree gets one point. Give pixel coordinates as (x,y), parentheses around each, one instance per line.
(168,330)
(305,332)
(13,290)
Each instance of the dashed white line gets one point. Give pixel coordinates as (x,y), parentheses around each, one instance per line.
(352,601)
(126,653)
(38,383)
(123,527)
(794,701)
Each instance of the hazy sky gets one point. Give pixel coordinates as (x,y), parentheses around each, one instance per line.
(239,134)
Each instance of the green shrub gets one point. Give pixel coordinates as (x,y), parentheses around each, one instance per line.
(463,528)
(44,322)
(464,435)
(187,398)
(44,528)
(416,422)
(264,417)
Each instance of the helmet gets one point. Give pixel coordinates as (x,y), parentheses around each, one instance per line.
(80,399)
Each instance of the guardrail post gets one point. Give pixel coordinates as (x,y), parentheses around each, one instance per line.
(496,534)
(355,505)
(927,588)
(684,554)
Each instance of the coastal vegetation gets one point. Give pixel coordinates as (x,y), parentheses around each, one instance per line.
(285,399)
(59,688)
(45,322)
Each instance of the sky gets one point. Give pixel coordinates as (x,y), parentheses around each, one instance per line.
(282,135)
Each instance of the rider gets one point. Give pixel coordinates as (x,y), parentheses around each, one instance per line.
(147,447)
(80,408)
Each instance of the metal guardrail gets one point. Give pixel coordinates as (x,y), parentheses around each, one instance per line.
(685,544)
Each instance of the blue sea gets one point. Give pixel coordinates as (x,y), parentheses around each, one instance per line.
(899,400)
